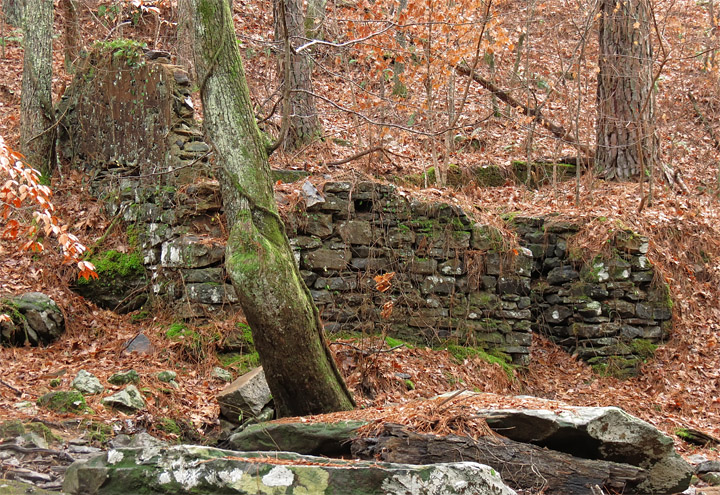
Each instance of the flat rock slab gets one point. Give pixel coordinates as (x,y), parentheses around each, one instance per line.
(606,433)
(188,470)
(326,439)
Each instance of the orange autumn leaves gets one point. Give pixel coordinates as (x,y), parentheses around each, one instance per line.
(22,192)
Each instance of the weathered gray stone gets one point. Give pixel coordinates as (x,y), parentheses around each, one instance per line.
(318,224)
(221,374)
(191,251)
(166,376)
(129,399)
(211,293)
(557,314)
(311,195)
(245,397)
(590,309)
(305,242)
(123,378)
(436,284)
(622,308)
(400,237)
(41,320)
(87,383)
(140,344)
(561,275)
(203,276)
(619,269)
(336,283)
(453,267)
(607,433)
(325,259)
(423,266)
(595,331)
(356,232)
(513,285)
(326,439)
(185,470)
(523,262)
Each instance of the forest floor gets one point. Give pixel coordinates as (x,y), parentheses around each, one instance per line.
(678,388)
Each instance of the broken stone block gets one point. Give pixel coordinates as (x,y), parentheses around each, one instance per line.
(245,397)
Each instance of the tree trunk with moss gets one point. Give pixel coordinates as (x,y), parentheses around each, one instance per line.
(288,335)
(304,125)
(626,144)
(36,112)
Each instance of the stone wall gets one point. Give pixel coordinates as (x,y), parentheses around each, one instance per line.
(457,279)
(454,279)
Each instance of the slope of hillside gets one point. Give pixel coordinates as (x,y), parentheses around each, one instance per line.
(676,389)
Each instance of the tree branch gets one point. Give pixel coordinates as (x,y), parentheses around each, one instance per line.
(557,130)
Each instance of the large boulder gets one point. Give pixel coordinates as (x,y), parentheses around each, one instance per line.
(192,469)
(606,433)
(35,318)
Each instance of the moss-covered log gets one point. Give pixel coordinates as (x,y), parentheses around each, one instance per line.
(285,324)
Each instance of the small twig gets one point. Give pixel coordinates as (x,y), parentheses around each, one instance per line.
(154,174)
(448,399)
(124,23)
(102,238)
(18,392)
(703,119)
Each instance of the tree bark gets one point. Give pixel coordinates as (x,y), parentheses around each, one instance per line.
(626,144)
(13,12)
(522,466)
(288,335)
(71,27)
(304,125)
(36,113)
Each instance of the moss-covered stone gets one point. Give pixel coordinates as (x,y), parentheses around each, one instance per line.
(488,176)
(11,428)
(63,401)
(539,174)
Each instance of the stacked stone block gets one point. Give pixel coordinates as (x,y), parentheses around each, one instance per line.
(608,311)
(452,281)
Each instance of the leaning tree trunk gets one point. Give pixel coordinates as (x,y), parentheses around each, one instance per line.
(36,113)
(288,335)
(626,145)
(304,125)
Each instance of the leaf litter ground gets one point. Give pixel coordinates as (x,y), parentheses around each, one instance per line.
(679,388)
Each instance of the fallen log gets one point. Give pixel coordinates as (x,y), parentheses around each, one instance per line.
(556,129)
(522,466)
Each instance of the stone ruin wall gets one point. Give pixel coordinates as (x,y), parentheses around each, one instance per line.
(455,280)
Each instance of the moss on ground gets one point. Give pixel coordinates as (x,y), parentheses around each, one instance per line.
(62,401)
(461,353)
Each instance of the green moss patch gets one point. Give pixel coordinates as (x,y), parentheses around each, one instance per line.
(461,353)
(62,401)
(539,174)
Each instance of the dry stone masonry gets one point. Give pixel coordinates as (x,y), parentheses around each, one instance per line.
(454,279)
